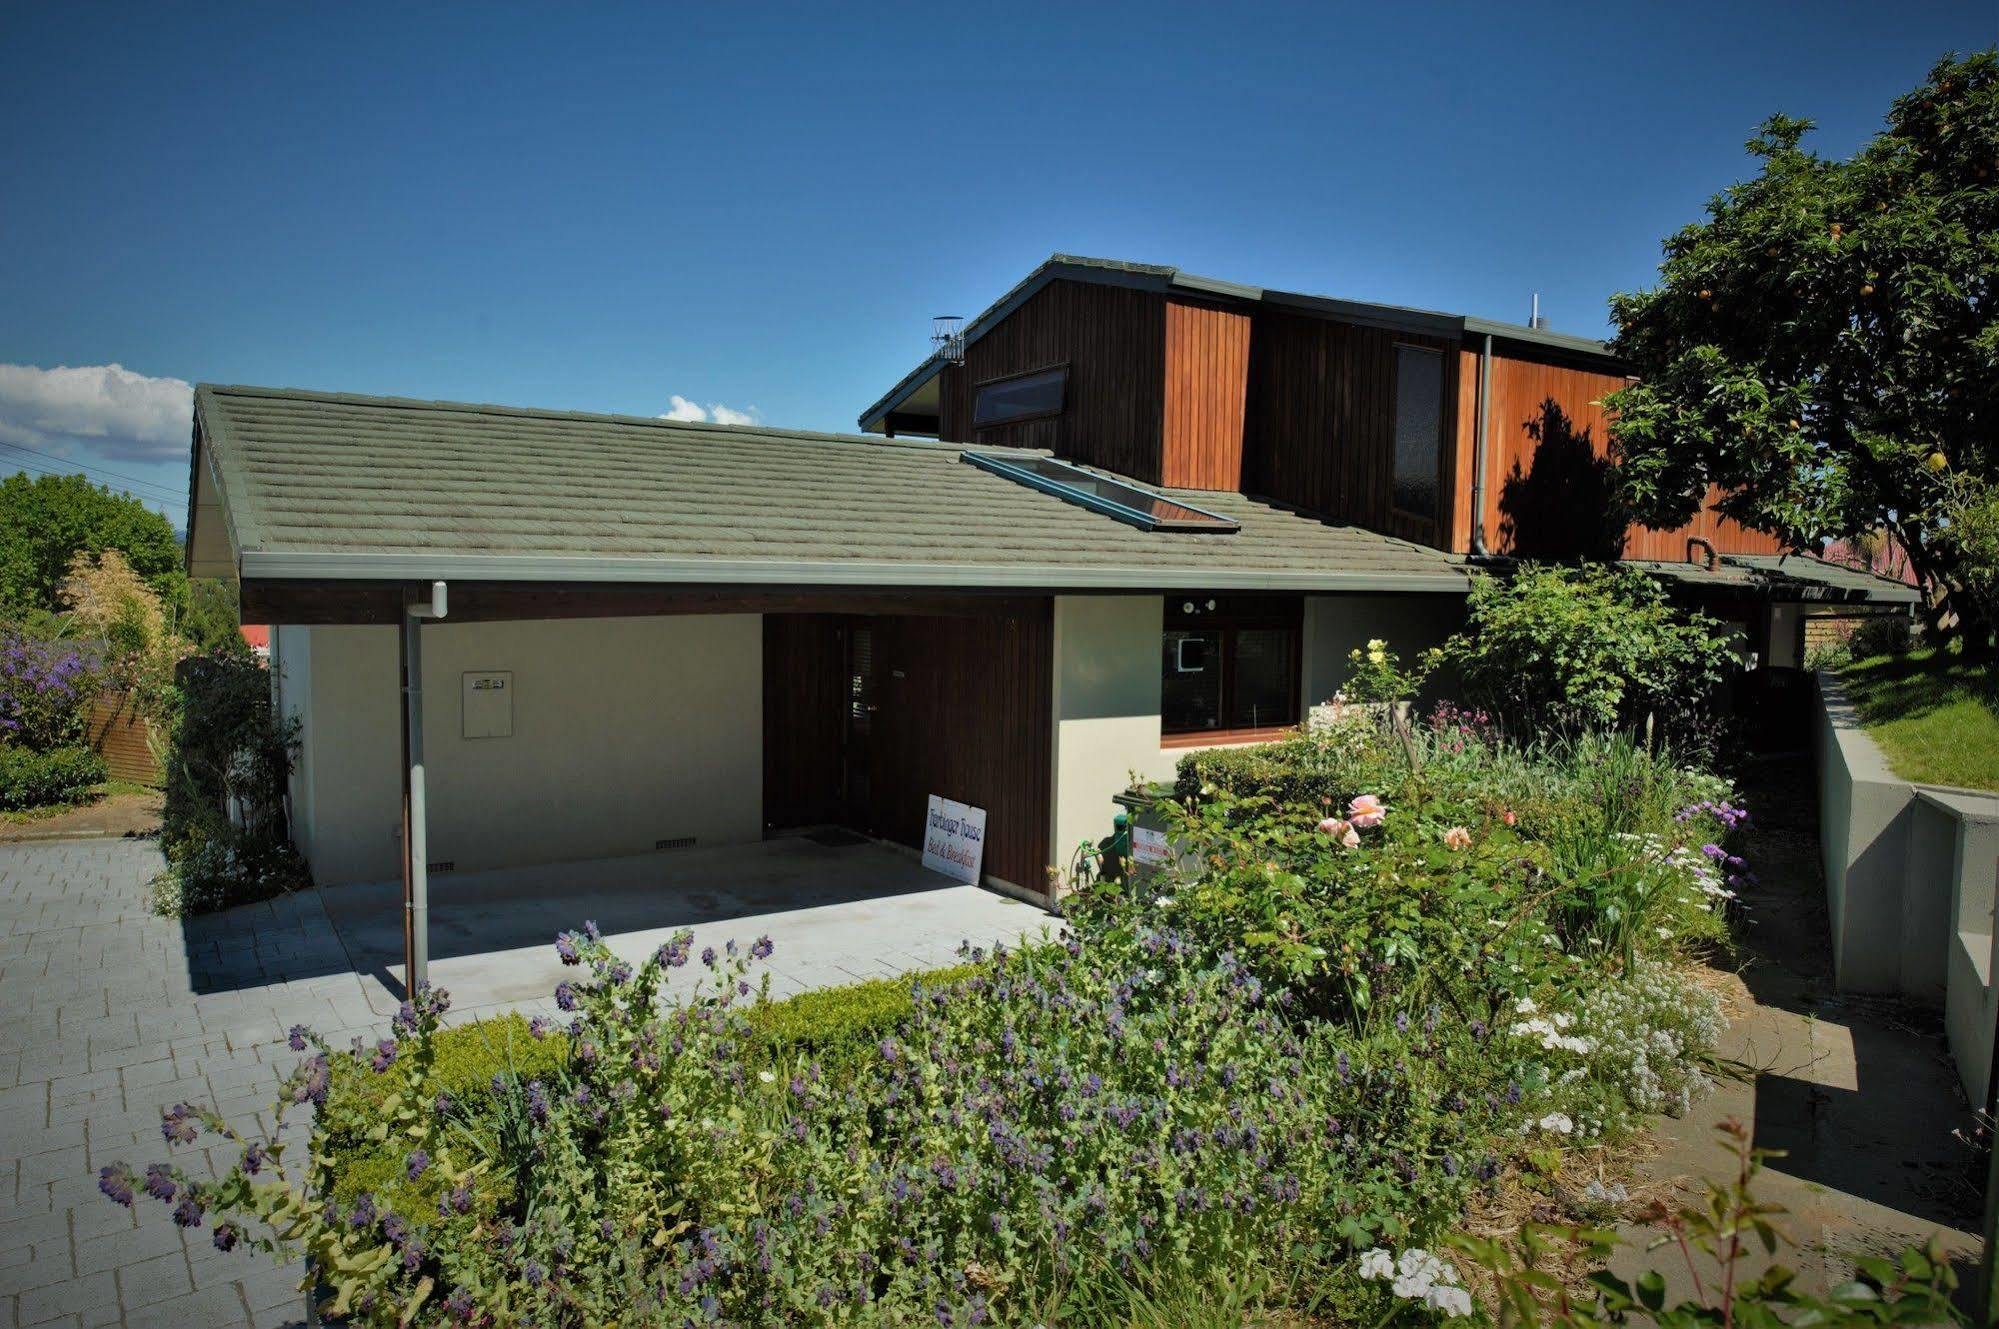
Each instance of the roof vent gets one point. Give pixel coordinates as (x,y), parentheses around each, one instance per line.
(947,338)
(1534,318)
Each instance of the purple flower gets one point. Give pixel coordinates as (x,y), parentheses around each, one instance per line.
(888,1049)
(414,1165)
(565,946)
(363,1212)
(385,1055)
(539,1026)
(708,956)
(177,1124)
(188,1212)
(762,948)
(296,1038)
(253,1157)
(116,1183)
(160,1183)
(225,1236)
(620,973)
(590,930)
(565,996)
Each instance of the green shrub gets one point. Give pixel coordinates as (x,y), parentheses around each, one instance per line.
(1306,770)
(1591,647)
(47,779)
(840,1027)
(226,750)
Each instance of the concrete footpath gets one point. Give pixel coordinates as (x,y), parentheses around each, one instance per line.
(1858,1092)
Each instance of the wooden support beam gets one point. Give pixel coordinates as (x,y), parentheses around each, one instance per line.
(319,603)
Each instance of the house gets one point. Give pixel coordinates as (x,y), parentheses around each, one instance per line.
(1155,512)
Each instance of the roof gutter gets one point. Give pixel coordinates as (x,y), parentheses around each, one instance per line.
(259,565)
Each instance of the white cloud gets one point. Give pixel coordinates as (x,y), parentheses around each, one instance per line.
(713,413)
(117,413)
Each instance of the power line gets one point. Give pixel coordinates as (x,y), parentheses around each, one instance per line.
(40,469)
(165,494)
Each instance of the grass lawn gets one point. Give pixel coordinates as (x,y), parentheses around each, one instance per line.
(1936,717)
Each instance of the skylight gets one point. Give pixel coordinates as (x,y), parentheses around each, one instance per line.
(1114,498)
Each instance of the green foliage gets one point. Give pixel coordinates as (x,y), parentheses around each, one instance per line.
(1913,1288)
(840,1027)
(1934,713)
(1591,647)
(1375,674)
(1821,347)
(45,522)
(226,749)
(212,621)
(59,776)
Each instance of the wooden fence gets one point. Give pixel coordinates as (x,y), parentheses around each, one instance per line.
(124,738)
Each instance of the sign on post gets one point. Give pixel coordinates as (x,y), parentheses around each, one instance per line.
(954,839)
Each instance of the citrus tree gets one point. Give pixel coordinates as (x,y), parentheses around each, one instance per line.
(1824,346)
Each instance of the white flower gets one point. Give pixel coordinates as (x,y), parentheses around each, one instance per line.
(1525,1006)
(1454,1302)
(1376,1263)
(1559,1122)
(767,1077)
(1164,902)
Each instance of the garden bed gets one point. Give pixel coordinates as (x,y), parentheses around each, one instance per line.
(1399,981)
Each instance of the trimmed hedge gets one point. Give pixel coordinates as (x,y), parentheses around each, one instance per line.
(46,779)
(835,1027)
(1306,768)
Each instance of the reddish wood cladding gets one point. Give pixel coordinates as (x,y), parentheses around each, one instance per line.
(963,710)
(1547,431)
(1320,422)
(1207,373)
(1113,341)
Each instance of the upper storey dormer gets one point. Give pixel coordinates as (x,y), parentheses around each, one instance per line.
(1456,432)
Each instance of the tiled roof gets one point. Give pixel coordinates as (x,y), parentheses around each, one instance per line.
(328,485)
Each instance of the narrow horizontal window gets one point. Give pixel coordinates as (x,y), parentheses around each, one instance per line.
(1099,493)
(1004,401)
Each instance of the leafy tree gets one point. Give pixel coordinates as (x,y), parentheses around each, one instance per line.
(213,620)
(46,521)
(1823,346)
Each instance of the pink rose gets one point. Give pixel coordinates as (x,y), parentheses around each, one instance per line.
(1366,811)
(1457,838)
(1342,832)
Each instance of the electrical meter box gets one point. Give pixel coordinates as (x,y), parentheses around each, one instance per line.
(489,705)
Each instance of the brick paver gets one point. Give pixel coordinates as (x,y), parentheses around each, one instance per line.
(113,1016)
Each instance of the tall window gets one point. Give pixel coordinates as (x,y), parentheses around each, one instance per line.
(1228,667)
(1419,429)
(1029,396)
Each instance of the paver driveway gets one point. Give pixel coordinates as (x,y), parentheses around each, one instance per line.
(115,1015)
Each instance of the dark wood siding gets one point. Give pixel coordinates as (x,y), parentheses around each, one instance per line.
(1207,369)
(1113,341)
(1320,420)
(1547,448)
(963,710)
(805,717)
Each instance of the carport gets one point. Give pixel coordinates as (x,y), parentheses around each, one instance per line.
(514,639)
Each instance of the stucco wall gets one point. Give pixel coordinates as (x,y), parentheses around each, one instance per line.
(625,732)
(1105,711)
(291,693)
(1910,884)
(1336,624)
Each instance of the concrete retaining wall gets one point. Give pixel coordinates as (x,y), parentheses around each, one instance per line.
(1910,874)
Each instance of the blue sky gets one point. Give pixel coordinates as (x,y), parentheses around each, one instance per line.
(759,208)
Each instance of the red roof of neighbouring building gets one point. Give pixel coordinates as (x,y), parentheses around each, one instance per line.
(258,635)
